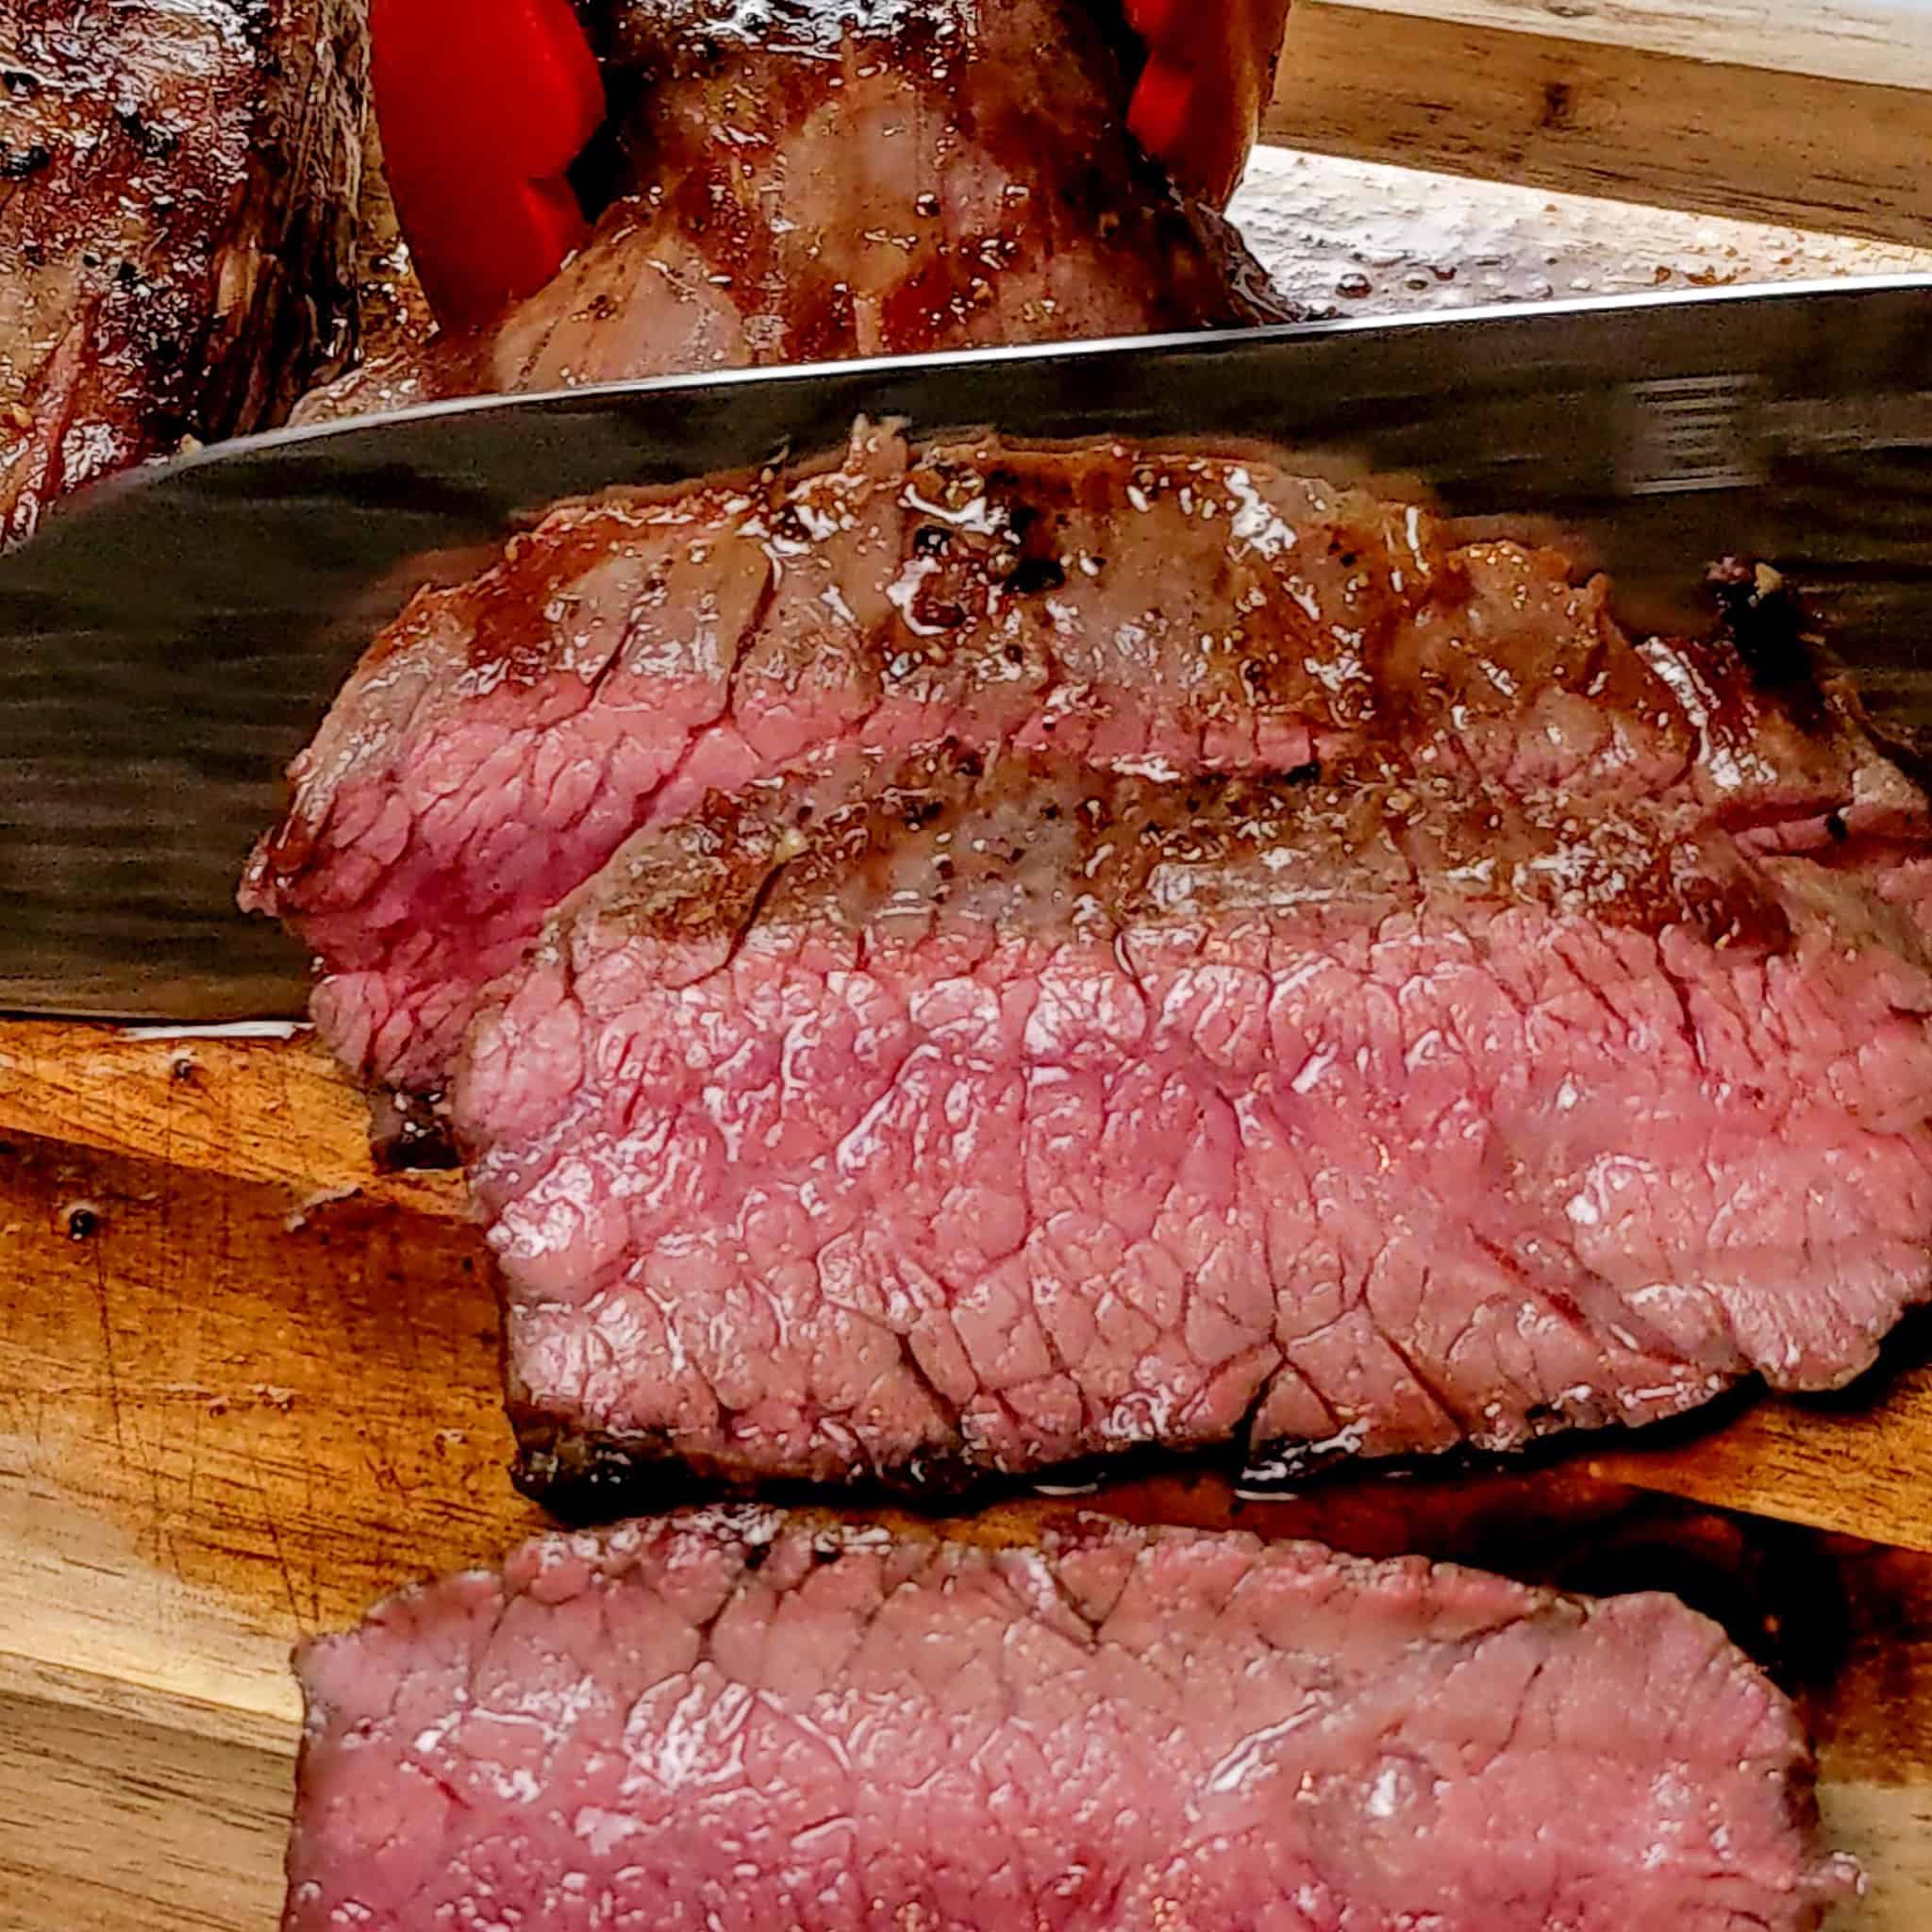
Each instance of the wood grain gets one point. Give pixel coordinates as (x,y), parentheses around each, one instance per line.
(220,1431)
(1617,121)
(1860,1464)
(111,1822)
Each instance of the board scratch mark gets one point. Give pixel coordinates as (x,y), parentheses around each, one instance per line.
(310,1519)
(189,1319)
(274,1534)
(108,1367)
(153,1448)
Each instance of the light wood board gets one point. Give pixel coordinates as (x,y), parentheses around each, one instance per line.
(1722,137)
(1887,42)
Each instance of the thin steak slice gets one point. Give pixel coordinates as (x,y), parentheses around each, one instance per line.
(822,179)
(955,1119)
(501,737)
(177,188)
(739,1721)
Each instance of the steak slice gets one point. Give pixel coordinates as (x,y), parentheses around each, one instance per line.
(177,191)
(1202,612)
(961,1118)
(743,1720)
(824,178)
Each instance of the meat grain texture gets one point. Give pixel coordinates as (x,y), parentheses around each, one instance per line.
(1117,950)
(812,179)
(726,1722)
(177,189)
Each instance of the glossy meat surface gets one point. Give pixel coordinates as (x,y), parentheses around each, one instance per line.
(177,186)
(739,1722)
(947,1119)
(813,179)
(1202,612)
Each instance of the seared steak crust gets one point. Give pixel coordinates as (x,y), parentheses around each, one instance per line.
(824,178)
(177,189)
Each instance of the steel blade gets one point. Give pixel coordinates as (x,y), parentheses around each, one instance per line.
(167,645)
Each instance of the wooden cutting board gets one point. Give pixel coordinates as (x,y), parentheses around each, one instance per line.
(246,1385)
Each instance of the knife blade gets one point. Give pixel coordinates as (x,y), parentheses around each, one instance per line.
(168,644)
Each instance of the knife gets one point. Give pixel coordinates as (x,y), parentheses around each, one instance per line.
(170,642)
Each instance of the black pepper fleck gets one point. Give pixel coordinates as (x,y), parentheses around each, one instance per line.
(17,163)
(1035,575)
(154,143)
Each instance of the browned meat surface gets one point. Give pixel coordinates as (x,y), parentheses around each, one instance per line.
(177,188)
(503,737)
(850,178)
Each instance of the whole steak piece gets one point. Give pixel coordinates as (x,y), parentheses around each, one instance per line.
(177,191)
(503,737)
(740,1721)
(814,180)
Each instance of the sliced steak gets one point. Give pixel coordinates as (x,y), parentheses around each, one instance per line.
(954,1118)
(741,1721)
(177,186)
(501,737)
(824,178)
